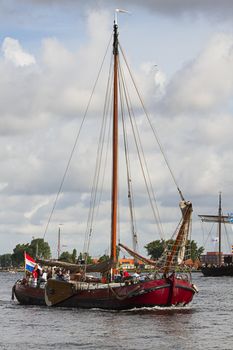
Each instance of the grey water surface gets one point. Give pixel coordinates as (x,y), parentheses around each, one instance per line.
(204,324)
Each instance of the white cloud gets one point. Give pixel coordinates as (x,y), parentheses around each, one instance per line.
(3,185)
(40,112)
(34,210)
(219,10)
(14,53)
(152,80)
(206,83)
(169,7)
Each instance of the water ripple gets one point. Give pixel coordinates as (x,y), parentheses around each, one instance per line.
(204,324)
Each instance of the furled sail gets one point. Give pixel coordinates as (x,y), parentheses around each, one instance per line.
(99,267)
(216,218)
(181,250)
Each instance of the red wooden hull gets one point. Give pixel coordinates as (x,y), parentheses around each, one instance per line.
(149,294)
(161,292)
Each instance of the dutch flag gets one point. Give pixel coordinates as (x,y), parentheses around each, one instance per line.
(29,262)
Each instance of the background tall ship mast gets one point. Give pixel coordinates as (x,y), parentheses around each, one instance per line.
(224,266)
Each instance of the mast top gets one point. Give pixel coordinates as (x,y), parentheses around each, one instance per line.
(220,203)
(119,11)
(115,27)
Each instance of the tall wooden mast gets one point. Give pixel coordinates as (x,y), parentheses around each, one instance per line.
(220,219)
(219,229)
(115,147)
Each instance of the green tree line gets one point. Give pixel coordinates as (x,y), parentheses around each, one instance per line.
(156,248)
(38,248)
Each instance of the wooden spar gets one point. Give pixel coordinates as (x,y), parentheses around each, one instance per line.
(224,219)
(138,256)
(115,148)
(59,243)
(179,238)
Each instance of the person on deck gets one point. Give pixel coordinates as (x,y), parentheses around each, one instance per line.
(44,276)
(50,273)
(136,276)
(126,275)
(60,275)
(35,274)
(67,276)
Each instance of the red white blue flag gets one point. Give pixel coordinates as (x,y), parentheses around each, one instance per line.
(29,262)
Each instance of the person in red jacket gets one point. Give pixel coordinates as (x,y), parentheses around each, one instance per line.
(36,272)
(126,275)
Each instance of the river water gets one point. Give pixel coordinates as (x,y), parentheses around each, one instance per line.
(205,324)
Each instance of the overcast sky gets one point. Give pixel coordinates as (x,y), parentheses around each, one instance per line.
(181,55)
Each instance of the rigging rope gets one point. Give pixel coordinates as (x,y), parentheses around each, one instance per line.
(96,177)
(76,140)
(151,125)
(227,238)
(128,172)
(141,157)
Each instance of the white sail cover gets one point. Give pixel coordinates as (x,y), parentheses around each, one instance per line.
(184,206)
(216,218)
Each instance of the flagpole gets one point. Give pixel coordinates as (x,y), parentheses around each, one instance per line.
(25,262)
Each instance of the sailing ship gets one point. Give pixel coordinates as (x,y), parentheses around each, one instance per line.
(164,287)
(220,269)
